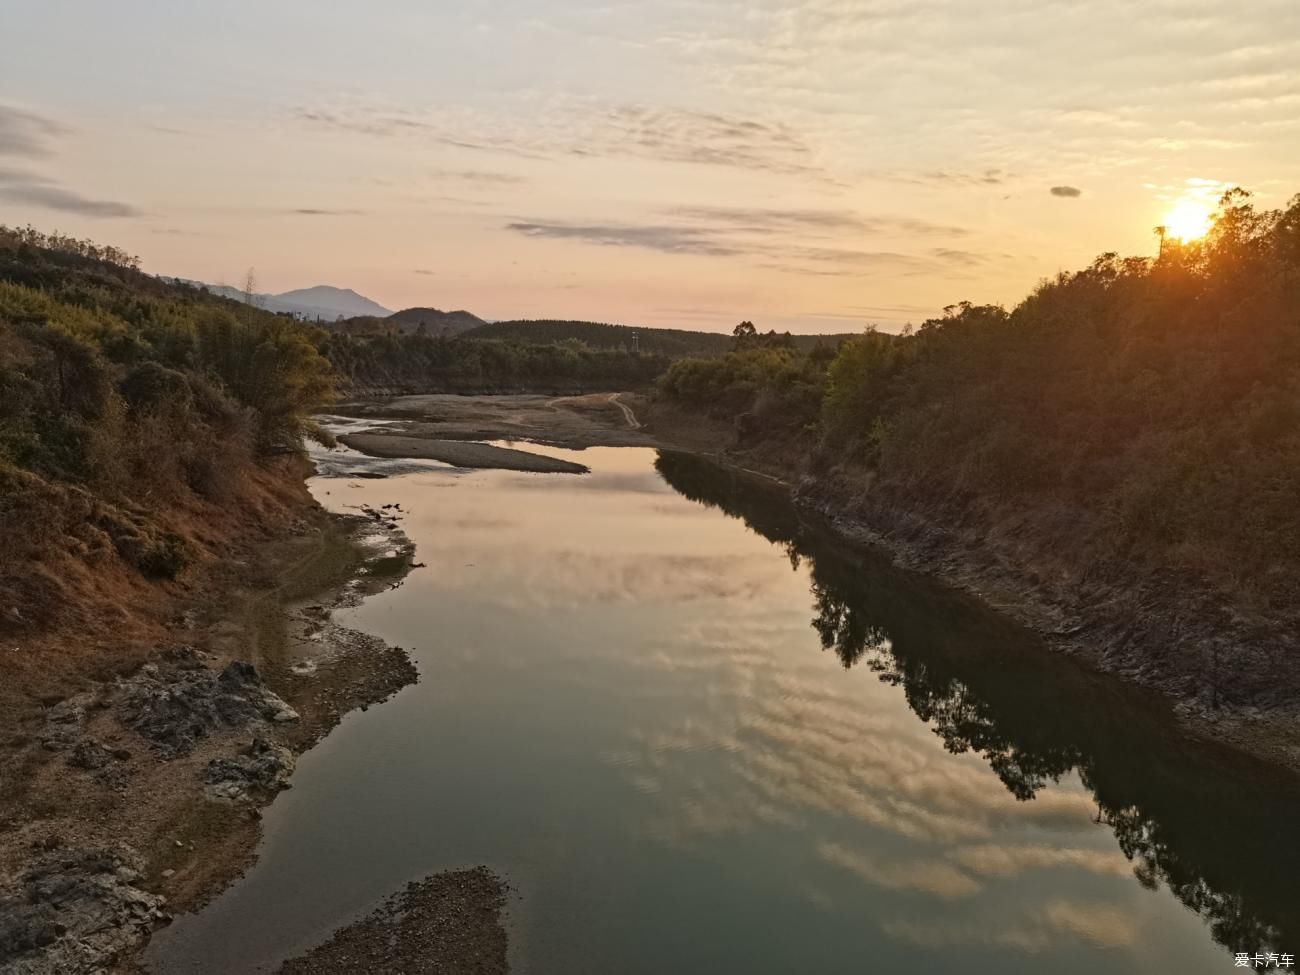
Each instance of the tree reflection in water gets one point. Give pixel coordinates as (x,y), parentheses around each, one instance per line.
(1211,825)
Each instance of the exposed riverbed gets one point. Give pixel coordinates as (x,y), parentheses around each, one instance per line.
(697,735)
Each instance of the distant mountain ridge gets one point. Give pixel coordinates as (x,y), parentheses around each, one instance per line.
(322,301)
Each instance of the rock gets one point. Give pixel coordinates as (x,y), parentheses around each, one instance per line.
(174,711)
(89,754)
(262,767)
(65,721)
(75,912)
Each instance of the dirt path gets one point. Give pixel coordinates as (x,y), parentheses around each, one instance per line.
(627,411)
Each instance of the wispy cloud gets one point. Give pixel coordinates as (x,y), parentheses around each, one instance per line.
(585,129)
(753,234)
(941,177)
(677,135)
(759,220)
(321,212)
(25,133)
(667,239)
(1066,191)
(28,189)
(28,135)
(478,176)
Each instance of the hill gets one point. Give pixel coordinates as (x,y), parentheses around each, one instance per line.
(673,342)
(431,321)
(145,426)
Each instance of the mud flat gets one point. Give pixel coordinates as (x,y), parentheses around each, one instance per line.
(573,422)
(459,453)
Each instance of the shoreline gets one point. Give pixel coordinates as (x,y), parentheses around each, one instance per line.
(187,843)
(142,789)
(996,582)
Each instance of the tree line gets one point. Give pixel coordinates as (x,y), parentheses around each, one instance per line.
(1143,412)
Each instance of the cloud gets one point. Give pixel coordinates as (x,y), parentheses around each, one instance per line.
(399,122)
(479,176)
(1068,191)
(25,133)
(926,876)
(678,135)
(667,239)
(760,220)
(594,130)
(961,258)
(988,177)
(993,860)
(749,233)
(27,189)
(317,212)
(425,271)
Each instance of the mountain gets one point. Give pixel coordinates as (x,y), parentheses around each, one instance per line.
(321,302)
(329,302)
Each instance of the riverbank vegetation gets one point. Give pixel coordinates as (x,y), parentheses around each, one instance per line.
(140,424)
(1136,422)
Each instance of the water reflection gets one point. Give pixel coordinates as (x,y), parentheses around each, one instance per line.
(1212,827)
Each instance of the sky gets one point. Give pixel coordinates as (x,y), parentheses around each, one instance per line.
(814,166)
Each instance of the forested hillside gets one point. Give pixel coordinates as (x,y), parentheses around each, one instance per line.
(140,423)
(1124,445)
(421,364)
(409,321)
(672,342)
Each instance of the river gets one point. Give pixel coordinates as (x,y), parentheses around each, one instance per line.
(696,735)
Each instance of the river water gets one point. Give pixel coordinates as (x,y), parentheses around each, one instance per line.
(696,735)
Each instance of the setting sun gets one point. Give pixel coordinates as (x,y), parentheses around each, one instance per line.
(1188,220)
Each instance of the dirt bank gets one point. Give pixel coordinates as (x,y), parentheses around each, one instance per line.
(135,793)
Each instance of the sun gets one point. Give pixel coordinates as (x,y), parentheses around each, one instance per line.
(1188,220)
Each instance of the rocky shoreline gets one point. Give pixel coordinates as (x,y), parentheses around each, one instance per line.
(450,922)
(1228,678)
(145,789)
(1178,645)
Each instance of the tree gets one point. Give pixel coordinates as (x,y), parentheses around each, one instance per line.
(744,333)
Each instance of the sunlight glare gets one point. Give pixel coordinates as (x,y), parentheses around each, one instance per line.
(1188,220)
